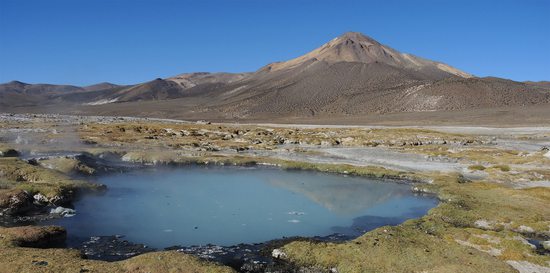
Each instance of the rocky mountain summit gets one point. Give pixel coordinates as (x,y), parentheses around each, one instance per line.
(351,76)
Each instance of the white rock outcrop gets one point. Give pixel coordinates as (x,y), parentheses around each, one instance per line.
(278,254)
(65,212)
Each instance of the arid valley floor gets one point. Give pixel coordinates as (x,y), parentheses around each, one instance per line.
(493,187)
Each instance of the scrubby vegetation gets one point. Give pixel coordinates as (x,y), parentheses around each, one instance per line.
(54,185)
(476,167)
(442,241)
(480,224)
(70,260)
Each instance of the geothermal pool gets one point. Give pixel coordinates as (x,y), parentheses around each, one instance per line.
(231,205)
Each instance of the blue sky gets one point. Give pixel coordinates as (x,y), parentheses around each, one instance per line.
(129,41)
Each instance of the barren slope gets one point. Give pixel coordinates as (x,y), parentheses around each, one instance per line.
(350,77)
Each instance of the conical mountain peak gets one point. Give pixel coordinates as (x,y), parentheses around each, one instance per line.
(356,37)
(357,47)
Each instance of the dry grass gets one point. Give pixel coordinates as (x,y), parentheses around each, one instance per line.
(67,260)
(35,179)
(428,244)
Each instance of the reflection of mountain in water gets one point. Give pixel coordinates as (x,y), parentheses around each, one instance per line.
(366,223)
(342,195)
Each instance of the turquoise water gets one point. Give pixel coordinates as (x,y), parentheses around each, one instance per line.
(230,205)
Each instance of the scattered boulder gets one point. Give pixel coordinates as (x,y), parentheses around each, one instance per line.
(253,266)
(40,263)
(241,149)
(112,248)
(61,199)
(347,140)
(461,179)
(278,254)
(484,224)
(40,199)
(525,229)
(35,236)
(64,212)
(8,152)
(89,142)
(15,202)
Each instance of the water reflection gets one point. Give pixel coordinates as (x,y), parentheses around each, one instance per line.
(227,206)
(339,194)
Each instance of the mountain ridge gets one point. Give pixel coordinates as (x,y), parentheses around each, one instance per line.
(351,75)
(357,47)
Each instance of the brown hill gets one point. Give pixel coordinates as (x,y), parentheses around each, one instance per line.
(355,75)
(544,84)
(351,76)
(356,47)
(352,89)
(100,86)
(16,93)
(36,89)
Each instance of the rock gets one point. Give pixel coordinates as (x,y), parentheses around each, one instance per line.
(278,254)
(241,149)
(346,140)
(169,131)
(522,240)
(58,200)
(89,141)
(9,153)
(545,245)
(484,224)
(461,179)
(421,190)
(525,229)
(527,267)
(35,236)
(15,202)
(202,132)
(65,212)
(279,140)
(547,154)
(251,266)
(129,157)
(40,199)
(112,248)
(40,263)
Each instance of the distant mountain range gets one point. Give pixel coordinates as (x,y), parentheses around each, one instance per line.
(351,75)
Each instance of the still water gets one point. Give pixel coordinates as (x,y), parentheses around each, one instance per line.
(231,205)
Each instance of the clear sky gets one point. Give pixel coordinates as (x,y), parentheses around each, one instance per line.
(129,41)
